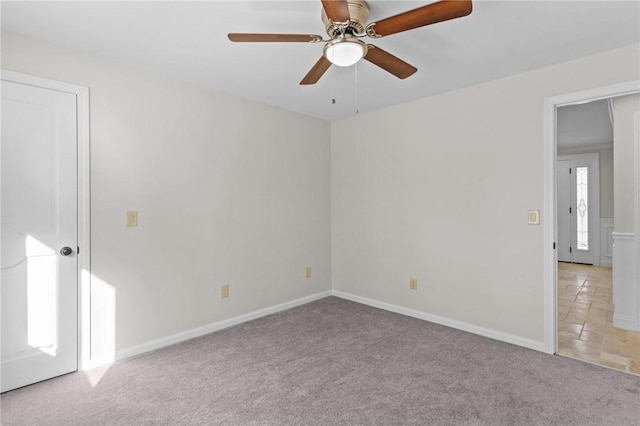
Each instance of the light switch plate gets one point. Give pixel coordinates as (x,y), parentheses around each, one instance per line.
(132,219)
(413,283)
(224,291)
(534,217)
(308,272)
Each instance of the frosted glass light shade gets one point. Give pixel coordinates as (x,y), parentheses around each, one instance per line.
(344,52)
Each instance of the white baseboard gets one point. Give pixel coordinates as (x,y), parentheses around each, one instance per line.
(625,322)
(210,328)
(481,331)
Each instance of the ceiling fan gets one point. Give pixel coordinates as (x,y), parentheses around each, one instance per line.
(346,23)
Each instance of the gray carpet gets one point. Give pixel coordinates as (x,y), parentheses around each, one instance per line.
(335,362)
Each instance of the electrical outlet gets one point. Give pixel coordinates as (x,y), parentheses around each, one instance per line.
(308,272)
(413,283)
(224,291)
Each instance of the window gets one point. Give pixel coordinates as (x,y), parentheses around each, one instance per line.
(582,203)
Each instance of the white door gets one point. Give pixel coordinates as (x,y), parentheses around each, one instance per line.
(39,234)
(578,209)
(564,211)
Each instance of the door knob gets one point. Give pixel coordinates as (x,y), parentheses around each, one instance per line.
(66,251)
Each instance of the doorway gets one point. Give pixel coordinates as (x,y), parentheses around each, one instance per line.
(45,229)
(550,229)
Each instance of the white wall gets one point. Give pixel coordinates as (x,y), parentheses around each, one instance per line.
(624,109)
(606,183)
(439,189)
(228,191)
(606,207)
(231,191)
(625,287)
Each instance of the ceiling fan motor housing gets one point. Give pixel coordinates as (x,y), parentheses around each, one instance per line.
(359,14)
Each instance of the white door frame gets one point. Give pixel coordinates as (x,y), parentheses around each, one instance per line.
(550,224)
(84,213)
(636,147)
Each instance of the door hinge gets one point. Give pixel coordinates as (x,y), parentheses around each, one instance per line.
(554,245)
(570,250)
(569,170)
(78,250)
(569,210)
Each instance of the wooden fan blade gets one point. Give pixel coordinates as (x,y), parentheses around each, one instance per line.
(316,71)
(388,62)
(251,37)
(337,10)
(425,15)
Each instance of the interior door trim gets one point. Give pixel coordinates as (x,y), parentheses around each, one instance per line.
(84,204)
(550,106)
(636,147)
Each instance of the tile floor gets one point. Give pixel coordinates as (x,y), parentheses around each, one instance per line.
(585,312)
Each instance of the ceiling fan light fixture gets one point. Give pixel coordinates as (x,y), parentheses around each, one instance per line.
(345,51)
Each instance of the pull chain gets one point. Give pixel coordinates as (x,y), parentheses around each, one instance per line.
(333,91)
(356,87)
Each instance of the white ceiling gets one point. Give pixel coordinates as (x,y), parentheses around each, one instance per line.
(585,126)
(188,40)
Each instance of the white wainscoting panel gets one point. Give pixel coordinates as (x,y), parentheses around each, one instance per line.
(606,242)
(625,288)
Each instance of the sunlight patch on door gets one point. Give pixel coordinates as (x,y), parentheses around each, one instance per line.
(582,203)
(42,296)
